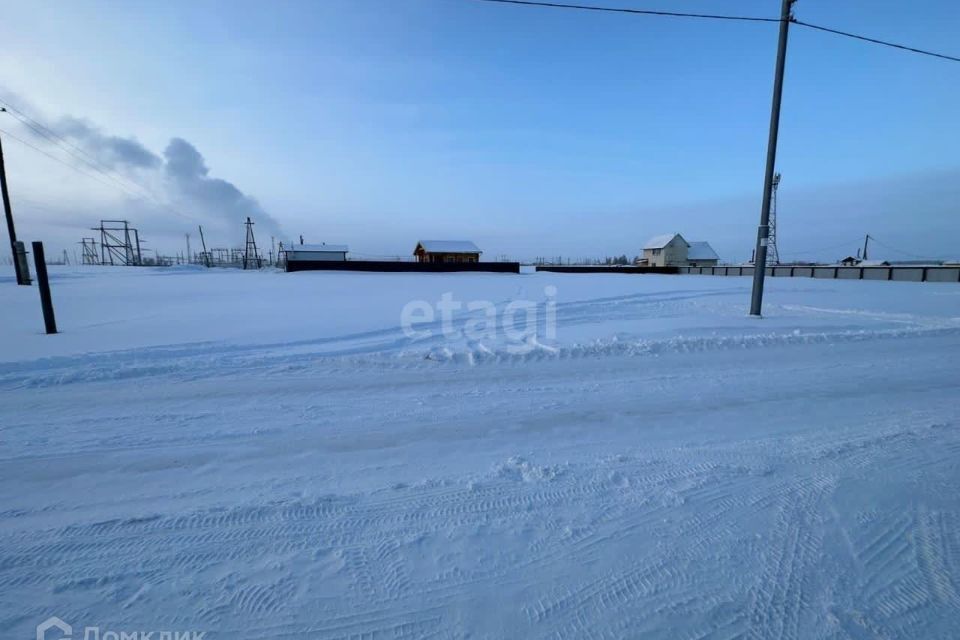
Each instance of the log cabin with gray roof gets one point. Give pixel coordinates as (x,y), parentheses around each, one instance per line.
(446,251)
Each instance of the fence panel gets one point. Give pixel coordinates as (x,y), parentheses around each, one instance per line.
(913,274)
(944,274)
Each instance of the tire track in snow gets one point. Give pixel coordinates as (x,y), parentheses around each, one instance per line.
(186,363)
(664,585)
(777,601)
(933,559)
(689,510)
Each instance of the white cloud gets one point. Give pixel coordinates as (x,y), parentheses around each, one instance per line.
(118,177)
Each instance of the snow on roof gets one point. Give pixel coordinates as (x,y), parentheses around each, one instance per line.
(449,246)
(701,250)
(334,248)
(659,242)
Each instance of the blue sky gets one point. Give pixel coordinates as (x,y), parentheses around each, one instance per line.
(531,131)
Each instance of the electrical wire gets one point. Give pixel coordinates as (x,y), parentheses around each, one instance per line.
(900,251)
(92,176)
(51,136)
(709,16)
(876,41)
(646,12)
(120,181)
(807,252)
(64,162)
(140,193)
(46,132)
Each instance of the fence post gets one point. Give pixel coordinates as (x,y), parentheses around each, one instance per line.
(23,267)
(45,301)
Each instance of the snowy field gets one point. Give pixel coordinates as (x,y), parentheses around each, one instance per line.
(269,455)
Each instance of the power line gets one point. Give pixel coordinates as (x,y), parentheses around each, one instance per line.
(121,182)
(819,250)
(93,176)
(900,251)
(63,162)
(44,131)
(876,41)
(125,186)
(709,16)
(646,12)
(51,136)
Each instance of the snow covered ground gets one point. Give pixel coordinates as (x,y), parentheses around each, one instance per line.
(269,455)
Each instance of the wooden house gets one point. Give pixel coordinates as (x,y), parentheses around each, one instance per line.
(446,251)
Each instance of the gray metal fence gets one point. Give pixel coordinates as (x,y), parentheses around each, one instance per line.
(893,272)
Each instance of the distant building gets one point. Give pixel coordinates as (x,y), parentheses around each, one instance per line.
(669,250)
(701,254)
(317,252)
(447,251)
(850,261)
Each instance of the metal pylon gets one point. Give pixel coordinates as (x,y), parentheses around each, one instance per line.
(251,259)
(773,255)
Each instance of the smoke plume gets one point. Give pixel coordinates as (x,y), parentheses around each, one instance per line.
(179,178)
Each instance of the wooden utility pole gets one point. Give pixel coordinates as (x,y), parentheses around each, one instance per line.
(203,243)
(763,232)
(22,278)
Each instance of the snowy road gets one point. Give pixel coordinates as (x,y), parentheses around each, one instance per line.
(667,469)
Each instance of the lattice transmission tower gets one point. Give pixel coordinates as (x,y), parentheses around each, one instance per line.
(251,259)
(90,254)
(119,243)
(773,255)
